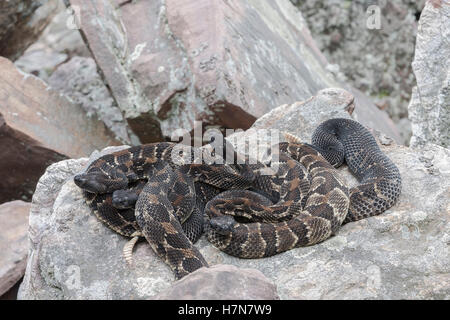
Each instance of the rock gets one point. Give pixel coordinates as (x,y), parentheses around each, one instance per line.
(401,254)
(226,71)
(38,126)
(22,162)
(429,109)
(59,42)
(333,102)
(11,294)
(21,23)
(79,80)
(404,126)
(376,60)
(13,243)
(40,61)
(62,34)
(61,59)
(330,102)
(221,282)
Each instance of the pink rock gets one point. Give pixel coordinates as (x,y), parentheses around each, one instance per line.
(225,63)
(38,127)
(13,242)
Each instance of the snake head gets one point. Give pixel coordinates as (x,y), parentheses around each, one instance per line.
(222,224)
(124,199)
(98,182)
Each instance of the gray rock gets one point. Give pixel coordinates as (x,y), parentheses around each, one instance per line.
(376,60)
(401,254)
(429,109)
(269,129)
(60,58)
(13,242)
(79,80)
(221,282)
(21,23)
(330,102)
(59,41)
(225,72)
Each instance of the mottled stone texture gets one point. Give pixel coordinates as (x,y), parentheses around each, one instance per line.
(21,23)
(38,126)
(375,59)
(13,242)
(79,80)
(301,118)
(401,254)
(59,42)
(226,63)
(429,109)
(221,282)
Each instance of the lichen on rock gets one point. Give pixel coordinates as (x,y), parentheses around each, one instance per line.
(429,108)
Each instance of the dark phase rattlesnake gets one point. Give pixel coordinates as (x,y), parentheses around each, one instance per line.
(308,201)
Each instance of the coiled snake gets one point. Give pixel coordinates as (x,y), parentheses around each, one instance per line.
(243,212)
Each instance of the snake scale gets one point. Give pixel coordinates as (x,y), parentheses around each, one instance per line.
(141,191)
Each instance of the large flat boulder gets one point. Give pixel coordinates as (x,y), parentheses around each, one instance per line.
(38,126)
(13,242)
(225,63)
(429,108)
(401,254)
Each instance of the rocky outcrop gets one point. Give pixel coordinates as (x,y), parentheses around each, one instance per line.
(221,282)
(401,254)
(373,58)
(13,243)
(429,109)
(79,80)
(21,23)
(38,126)
(223,63)
(59,42)
(299,118)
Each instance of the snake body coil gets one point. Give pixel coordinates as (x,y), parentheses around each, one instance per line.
(340,140)
(245,212)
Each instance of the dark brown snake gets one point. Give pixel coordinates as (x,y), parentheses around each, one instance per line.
(243,212)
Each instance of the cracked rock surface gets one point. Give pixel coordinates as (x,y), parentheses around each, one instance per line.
(226,63)
(429,109)
(370,45)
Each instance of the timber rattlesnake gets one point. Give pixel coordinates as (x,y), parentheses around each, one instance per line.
(307,202)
